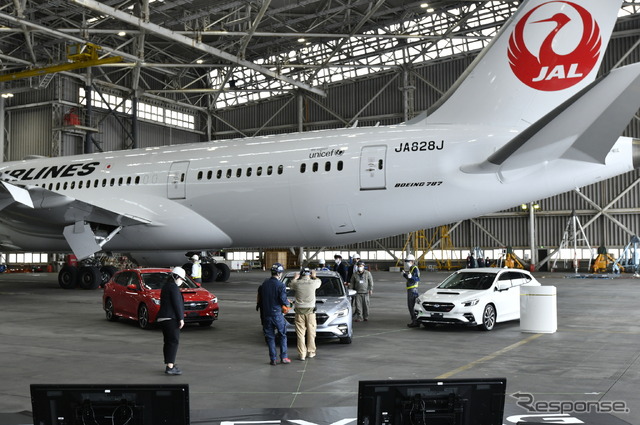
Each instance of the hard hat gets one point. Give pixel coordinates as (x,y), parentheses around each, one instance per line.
(179,271)
(360,263)
(305,271)
(321,261)
(195,257)
(410,257)
(277,268)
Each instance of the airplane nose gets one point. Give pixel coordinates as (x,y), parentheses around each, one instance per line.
(635,153)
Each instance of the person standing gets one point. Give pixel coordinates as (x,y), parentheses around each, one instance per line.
(196,269)
(353,267)
(362,283)
(412,274)
(305,285)
(273,303)
(171,318)
(340,268)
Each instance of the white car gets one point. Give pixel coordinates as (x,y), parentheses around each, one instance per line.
(475,297)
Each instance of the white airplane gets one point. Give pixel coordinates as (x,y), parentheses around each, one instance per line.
(528,120)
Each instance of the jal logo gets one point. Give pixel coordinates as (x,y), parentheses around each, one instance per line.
(564,55)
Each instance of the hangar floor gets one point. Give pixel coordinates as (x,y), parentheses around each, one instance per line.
(49,335)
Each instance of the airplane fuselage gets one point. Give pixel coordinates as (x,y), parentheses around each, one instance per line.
(321,188)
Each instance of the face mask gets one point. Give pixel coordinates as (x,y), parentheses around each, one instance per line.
(360,269)
(407,266)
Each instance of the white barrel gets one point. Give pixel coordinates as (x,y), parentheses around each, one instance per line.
(538,309)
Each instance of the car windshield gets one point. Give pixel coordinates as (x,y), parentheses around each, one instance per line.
(331,287)
(471,280)
(157,280)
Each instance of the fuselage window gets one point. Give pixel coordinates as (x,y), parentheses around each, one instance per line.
(80,184)
(219,174)
(209,174)
(200,174)
(183,176)
(112,182)
(269,170)
(58,186)
(229,173)
(88,184)
(315,167)
(120,181)
(137,179)
(64,187)
(303,167)
(280,169)
(249,172)
(327,166)
(104,182)
(380,164)
(259,171)
(340,165)
(239,172)
(128,180)
(73,185)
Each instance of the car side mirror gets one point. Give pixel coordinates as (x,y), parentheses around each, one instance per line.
(503,286)
(352,292)
(132,287)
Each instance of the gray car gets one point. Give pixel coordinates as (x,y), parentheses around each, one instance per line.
(333,308)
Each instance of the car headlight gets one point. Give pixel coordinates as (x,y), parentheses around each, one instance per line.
(156,301)
(471,303)
(342,313)
(214,300)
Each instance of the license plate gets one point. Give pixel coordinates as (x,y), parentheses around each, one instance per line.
(436,315)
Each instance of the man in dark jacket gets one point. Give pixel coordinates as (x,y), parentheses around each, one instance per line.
(272,297)
(341,268)
(171,318)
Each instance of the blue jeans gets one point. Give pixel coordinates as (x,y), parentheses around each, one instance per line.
(272,326)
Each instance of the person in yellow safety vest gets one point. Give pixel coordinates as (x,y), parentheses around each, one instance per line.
(412,274)
(196,269)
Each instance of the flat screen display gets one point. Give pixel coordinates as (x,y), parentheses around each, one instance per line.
(110,404)
(432,402)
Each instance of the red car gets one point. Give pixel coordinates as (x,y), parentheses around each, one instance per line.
(135,294)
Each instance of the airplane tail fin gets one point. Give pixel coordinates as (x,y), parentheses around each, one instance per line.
(547,52)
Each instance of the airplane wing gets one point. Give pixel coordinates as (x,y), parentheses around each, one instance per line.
(598,115)
(35,210)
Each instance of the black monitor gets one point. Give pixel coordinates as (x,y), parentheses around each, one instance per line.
(110,404)
(432,402)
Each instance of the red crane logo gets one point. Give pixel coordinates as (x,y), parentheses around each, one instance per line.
(549,70)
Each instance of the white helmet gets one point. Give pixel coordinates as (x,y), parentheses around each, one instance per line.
(321,261)
(410,257)
(179,271)
(195,257)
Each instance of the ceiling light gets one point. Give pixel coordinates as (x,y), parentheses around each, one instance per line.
(424,5)
(122,33)
(301,40)
(199,61)
(7,95)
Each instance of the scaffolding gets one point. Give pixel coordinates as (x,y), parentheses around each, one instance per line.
(573,238)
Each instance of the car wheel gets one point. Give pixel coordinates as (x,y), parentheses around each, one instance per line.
(206,323)
(89,277)
(225,272)
(143,316)
(488,318)
(68,276)
(345,340)
(108,309)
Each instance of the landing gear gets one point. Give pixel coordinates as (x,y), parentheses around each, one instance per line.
(90,275)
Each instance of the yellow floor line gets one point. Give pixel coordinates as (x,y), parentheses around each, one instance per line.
(489,357)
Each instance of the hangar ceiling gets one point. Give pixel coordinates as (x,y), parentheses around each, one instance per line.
(214,54)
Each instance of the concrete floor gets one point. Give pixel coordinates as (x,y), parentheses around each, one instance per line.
(49,335)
